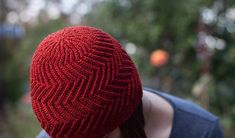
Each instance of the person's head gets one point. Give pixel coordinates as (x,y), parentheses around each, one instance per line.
(84,85)
(131,128)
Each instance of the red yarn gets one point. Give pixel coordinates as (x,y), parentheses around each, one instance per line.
(82,83)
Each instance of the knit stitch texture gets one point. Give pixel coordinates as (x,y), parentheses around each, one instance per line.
(82,83)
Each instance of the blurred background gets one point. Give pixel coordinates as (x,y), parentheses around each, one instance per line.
(184,47)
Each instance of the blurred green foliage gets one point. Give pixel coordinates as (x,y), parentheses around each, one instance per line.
(11,75)
(16,57)
(20,123)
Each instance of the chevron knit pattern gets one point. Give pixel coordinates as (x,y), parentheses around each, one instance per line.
(82,83)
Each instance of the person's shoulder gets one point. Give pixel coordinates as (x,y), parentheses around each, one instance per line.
(191,120)
(43,134)
(185,106)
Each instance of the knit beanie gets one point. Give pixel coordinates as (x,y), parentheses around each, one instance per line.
(82,83)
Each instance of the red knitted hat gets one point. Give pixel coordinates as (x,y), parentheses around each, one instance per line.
(82,83)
